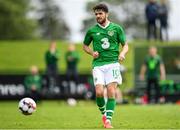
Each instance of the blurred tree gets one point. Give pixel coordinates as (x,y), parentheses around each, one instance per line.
(14,23)
(129,13)
(52,24)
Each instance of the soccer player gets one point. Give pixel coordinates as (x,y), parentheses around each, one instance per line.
(51,58)
(33,83)
(72,59)
(153,69)
(105,37)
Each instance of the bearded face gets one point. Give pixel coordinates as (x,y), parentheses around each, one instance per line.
(101,16)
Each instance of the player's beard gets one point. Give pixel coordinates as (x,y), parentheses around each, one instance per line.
(101,20)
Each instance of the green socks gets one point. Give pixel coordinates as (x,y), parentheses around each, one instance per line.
(107,108)
(111,103)
(101,104)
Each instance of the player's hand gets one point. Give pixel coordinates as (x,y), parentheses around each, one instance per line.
(70,58)
(95,54)
(33,88)
(121,57)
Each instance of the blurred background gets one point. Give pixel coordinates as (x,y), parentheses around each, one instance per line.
(28,28)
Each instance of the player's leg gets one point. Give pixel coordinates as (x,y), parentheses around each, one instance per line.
(100,98)
(155,30)
(112,79)
(148,90)
(111,102)
(98,78)
(148,31)
(119,96)
(157,89)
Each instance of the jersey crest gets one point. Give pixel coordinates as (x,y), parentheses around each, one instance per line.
(111,33)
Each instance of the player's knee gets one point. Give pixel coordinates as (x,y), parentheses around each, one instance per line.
(111,92)
(99,92)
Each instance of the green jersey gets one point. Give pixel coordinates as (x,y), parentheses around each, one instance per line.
(51,58)
(72,58)
(152,65)
(106,42)
(33,80)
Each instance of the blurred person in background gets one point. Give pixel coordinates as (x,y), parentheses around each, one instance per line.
(72,59)
(51,59)
(163,19)
(33,83)
(151,12)
(152,70)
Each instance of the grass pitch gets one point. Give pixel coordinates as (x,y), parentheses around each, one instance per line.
(85,115)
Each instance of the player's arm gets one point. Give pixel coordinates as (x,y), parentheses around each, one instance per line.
(122,40)
(87,40)
(124,51)
(142,72)
(89,51)
(162,71)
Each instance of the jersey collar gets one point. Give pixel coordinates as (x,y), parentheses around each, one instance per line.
(104,27)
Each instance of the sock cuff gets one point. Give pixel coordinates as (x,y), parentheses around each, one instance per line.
(111,99)
(99,98)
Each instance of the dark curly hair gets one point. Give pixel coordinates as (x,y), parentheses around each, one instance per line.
(102,7)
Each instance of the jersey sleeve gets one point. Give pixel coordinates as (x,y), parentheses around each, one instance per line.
(87,38)
(121,35)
